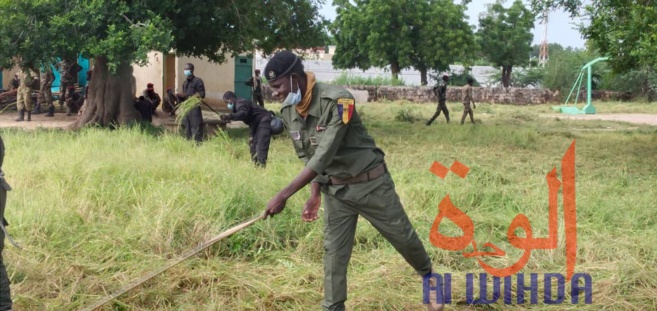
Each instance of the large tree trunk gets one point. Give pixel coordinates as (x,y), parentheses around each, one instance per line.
(506,75)
(394,67)
(111,98)
(423,77)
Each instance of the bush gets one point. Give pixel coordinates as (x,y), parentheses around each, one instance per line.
(351,79)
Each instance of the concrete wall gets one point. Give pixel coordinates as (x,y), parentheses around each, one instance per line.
(151,73)
(7,75)
(509,96)
(218,78)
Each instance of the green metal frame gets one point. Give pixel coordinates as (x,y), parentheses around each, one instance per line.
(589,108)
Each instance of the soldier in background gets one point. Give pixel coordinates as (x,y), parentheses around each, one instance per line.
(45,92)
(24,96)
(152,97)
(68,72)
(255,83)
(466,95)
(441,93)
(74,102)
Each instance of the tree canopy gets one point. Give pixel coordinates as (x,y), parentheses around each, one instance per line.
(119,33)
(425,35)
(505,36)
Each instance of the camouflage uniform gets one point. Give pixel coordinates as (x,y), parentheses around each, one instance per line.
(67,76)
(24,96)
(466,95)
(45,93)
(441,93)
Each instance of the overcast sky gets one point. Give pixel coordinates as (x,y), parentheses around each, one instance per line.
(561,28)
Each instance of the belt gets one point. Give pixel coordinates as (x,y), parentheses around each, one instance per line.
(372,174)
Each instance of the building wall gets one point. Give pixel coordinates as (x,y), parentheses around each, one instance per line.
(217,78)
(7,75)
(151,73)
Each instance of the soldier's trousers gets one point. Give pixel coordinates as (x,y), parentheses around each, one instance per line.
(24,99)
(378,202)
(442,107)
(5,294)
(63,86)
(45,96)
(193,124)
(257,98)
(261,139)
(467,110)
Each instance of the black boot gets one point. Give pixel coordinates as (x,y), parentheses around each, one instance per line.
(21,115)
(51,111)
(29,115)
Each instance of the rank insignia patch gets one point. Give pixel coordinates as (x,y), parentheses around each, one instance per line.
(346,109)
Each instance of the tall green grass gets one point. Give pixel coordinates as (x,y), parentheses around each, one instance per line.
(352,79)
(97,209)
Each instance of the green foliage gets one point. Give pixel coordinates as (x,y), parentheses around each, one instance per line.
(425,35)
(352,79)
(522,77)
(563,68)
(123,32)
(505,36)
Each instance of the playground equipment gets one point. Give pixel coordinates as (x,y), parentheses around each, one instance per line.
(588,109)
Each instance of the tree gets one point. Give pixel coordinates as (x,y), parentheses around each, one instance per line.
(505,36)
(120,33)
(425,35)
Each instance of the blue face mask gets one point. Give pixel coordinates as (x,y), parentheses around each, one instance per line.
(292,98)
(231,106)
(187,73)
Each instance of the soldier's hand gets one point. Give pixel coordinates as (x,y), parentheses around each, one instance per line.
(275,205)
(311,208)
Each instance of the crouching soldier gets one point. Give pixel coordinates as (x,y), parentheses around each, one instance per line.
(259,121)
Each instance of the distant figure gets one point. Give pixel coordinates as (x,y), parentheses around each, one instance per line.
(45,93)
(441,93)
(152,97)
(74,101)
(24,96)
(170,103)
(467,100)
(145,109)
(255,83)
(193,121)
(259,121)
(68,72)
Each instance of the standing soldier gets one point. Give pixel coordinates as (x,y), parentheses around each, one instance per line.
(193,121)
(5,293)
(441,93)
(466,94)
(344,163)
(45,93)
(259,121)
(24,96)
(255,83)
(68,72)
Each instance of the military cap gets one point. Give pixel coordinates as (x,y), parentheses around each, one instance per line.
(280,65)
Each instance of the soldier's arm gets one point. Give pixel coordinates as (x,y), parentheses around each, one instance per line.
(241,114)
(200,88)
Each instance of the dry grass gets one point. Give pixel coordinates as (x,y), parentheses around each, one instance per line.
(98,209)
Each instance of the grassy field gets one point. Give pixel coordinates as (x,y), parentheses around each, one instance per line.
(98,209)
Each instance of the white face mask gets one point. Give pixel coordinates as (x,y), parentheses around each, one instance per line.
(292,98)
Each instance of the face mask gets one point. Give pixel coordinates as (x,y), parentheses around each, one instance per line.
(187,73)
(292,98)
(231,106)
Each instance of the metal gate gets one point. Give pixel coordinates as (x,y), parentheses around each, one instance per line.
(243,71)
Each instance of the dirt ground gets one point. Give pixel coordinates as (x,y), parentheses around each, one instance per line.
(60,120)
(636,118)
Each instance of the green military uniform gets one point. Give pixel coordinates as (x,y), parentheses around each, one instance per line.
(5,294)
(466,95)
(45,93)
(355,181)
(441,93)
